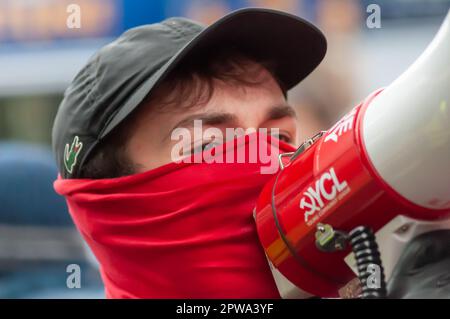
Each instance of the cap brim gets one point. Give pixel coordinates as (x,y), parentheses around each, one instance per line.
(294,45)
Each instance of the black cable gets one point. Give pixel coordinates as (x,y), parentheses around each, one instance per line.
(365,248)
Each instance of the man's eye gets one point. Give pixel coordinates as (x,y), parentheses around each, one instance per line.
(283,137)
(206,146)
(209,146)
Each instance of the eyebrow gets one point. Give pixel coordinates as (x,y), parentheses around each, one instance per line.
(210,118)
(221,118)
(280,111)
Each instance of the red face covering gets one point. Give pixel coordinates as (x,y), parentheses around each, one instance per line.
(181,230)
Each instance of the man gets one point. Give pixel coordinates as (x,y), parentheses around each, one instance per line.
(162,221)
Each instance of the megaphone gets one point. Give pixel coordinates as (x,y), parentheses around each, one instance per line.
(355,195)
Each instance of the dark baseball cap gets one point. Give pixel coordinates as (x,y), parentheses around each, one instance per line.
(120,75)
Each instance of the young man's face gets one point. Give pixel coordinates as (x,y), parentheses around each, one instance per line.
(231,106)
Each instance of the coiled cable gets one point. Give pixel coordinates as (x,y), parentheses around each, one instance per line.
(368,261)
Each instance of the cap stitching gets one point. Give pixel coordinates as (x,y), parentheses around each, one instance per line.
(183,30)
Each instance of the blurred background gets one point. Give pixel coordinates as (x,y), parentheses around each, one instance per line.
(39,55)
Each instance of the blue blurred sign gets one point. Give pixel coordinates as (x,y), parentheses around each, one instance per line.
(23,21)
(45,21)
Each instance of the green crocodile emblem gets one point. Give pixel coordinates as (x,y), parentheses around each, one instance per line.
(71,154)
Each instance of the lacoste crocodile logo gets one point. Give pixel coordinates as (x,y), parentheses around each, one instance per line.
(71,154)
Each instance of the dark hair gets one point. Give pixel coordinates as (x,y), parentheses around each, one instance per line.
(188,85)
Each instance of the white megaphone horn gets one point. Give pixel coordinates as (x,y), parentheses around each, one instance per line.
(407,128)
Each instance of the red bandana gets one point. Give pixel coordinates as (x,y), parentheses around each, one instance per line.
(178,231)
